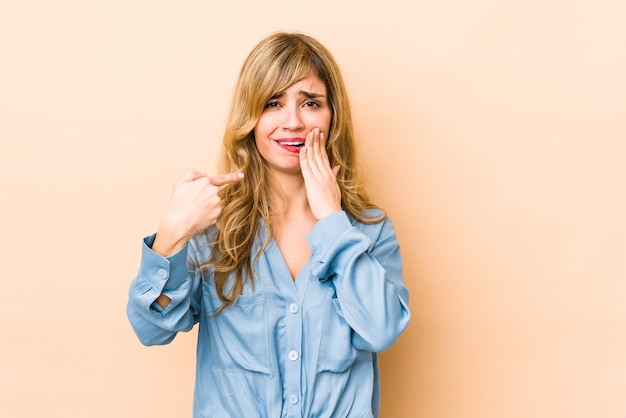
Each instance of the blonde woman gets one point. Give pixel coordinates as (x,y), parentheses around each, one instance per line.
(292,274)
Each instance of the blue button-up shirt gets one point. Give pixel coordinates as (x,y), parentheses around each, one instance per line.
(303,348)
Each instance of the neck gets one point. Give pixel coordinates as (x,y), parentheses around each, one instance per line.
(290,198)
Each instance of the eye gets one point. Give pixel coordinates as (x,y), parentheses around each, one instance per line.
(272,104)
(312,104)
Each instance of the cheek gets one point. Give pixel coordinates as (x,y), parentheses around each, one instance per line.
(259,129)
(264,126)
(325,122)
(319,120)
(261,132)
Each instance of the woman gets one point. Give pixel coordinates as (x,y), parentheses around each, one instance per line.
(293,275)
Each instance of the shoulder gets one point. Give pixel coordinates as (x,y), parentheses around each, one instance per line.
(374,217)
(374,222)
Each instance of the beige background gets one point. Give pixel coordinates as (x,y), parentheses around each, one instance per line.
(493,132)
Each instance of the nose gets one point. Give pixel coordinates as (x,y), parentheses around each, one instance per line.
(293,119)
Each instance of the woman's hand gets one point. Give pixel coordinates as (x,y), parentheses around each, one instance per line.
(195,206)
(320,179)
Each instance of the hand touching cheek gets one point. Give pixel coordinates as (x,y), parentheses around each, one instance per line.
(320,179)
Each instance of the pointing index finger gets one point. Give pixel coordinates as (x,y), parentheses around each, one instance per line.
(227,178)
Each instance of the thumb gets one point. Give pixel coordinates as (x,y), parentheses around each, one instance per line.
(190,175)
(335,170)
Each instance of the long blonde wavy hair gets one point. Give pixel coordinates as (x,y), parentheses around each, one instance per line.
(275,64)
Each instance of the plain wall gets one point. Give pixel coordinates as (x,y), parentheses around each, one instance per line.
(494,134)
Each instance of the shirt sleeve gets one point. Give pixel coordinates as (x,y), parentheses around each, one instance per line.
(172,277)
(366,271)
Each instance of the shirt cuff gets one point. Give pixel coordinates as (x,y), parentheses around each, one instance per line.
(330,236)
(162,273)
(326,231)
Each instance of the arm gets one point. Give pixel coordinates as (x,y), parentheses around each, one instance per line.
(164,297)
(163,278)
(366,270)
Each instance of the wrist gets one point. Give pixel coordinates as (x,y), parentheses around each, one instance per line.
(170,238)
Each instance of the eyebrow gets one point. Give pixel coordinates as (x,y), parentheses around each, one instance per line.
(310,95)
(307,94)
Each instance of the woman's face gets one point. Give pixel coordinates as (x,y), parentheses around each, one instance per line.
(286,120)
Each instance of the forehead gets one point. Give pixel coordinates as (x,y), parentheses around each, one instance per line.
(310,83)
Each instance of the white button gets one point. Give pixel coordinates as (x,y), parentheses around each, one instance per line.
(162,273)
(293,308)
(293,355)
(293,399)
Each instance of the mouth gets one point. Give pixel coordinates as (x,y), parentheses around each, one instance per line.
(291,145)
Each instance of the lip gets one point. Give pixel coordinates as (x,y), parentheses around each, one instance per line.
(293,145)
